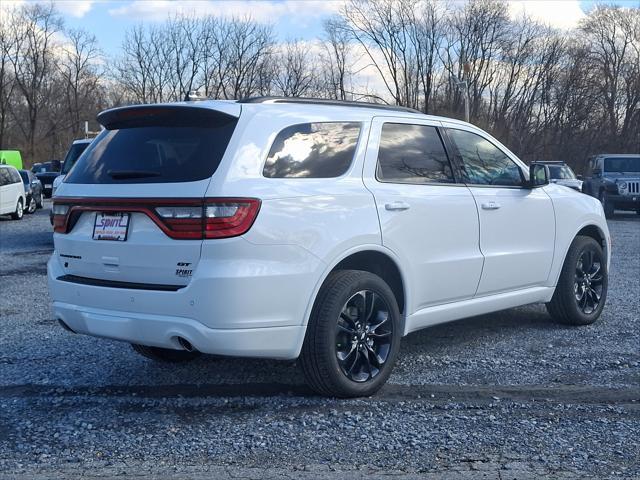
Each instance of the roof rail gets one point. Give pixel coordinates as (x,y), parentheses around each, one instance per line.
(324,101)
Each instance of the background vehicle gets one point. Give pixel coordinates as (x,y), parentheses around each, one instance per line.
(561,174)
(324,230)
(12,197)
(615,180)
(47,172)
(32,190)
(76,149)
(11,157)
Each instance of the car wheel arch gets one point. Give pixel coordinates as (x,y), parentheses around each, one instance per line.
(364,258)
(588,230)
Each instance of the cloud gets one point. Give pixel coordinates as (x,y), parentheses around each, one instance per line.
(560,14)
(74,8)
(261,11)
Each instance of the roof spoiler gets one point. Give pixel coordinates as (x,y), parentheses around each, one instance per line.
(200,114)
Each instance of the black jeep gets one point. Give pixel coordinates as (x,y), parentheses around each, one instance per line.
(615,180)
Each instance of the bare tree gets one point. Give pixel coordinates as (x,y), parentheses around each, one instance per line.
(382,30)
(236,52)
(296,73)
(186,49)
(7,78)
(613,35)
(33,62)
(80,74)
(474,37)
(426,33)
(337,64)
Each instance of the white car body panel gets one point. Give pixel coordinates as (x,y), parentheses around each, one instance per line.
(517,235)
(252,295)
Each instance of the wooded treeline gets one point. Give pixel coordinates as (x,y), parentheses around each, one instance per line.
(545,93)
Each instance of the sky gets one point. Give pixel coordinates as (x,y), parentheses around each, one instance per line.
(292,19)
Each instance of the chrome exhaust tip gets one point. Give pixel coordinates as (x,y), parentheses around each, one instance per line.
(184,343)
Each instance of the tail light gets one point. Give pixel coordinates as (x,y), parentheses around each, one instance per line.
(217,218)
(181,219)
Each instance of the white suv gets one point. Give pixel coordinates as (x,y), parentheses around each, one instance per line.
(288,228)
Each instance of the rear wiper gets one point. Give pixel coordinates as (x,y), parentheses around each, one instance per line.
(124,174)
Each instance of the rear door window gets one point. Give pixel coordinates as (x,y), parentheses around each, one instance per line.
(313,150)
(412,154)
(154,145)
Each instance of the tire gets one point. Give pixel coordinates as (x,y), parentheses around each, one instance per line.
(607,206)
(341,318)
(165,354)
(31,208)
(17,215)
(565,306)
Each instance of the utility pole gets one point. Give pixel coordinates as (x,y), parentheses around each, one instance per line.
(88,133)
(463,84)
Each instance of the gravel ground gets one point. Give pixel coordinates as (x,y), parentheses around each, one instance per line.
(509,395)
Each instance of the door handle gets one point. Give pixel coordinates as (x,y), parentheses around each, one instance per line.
(397,206)
(491,206)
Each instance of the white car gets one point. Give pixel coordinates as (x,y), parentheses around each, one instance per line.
(12,196)
(76,149)
(286,228)
(561,173)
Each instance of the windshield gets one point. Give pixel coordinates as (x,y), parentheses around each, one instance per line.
(561,172)
(622,164)
(72,156)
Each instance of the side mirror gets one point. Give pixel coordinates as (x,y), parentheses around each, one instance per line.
(579,177)
(538,175)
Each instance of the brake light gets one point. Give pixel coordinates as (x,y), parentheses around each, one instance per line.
(229,218)
(59,212)
(181,219)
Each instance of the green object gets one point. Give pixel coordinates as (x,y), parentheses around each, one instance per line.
(11,157)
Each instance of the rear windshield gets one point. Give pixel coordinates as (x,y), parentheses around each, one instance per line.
(622,164)
(72,156)
(43,168)
(158,147)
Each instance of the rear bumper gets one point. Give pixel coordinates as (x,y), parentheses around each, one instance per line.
(252,303)
(164,331)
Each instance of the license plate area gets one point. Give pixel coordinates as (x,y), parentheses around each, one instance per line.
(112,226)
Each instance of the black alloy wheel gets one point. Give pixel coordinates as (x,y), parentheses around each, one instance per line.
(581,291)
(588,284)
(363,336)
(353,336)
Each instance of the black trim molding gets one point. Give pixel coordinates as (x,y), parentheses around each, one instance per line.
(95,282)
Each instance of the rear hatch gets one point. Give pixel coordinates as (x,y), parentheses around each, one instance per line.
(47,178)
(132,210)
